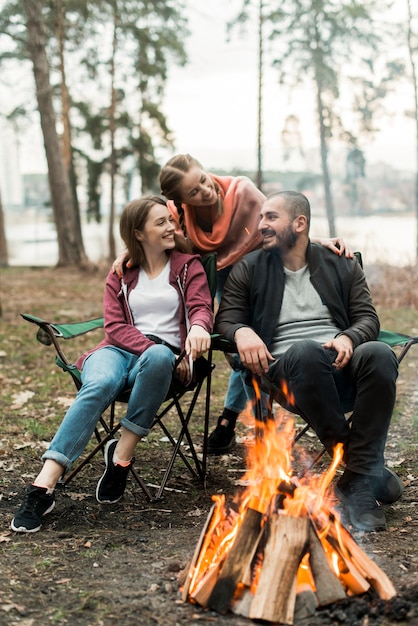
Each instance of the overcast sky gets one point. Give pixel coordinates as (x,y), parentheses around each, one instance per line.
(211,103)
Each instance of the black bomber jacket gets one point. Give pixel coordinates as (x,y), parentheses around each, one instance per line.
(253,294)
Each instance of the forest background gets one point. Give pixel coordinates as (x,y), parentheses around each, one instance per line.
(95,78)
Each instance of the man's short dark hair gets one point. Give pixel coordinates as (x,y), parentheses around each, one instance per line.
(295,204)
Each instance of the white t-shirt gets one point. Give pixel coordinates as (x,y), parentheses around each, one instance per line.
(155,306)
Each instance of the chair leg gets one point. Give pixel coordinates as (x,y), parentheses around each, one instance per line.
(159,420)
(141,483)
(206,423)
(184,432)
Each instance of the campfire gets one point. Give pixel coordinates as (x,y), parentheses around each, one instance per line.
(279,547)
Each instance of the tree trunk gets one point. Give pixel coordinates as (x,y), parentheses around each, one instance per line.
(70,242)
(112,129)
(259,180)
(67,150)
(4,256)
(329,204)
(415,88)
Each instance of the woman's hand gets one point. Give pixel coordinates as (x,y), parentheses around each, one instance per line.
(197,342)
(117,266)
(336,245)
(183,371)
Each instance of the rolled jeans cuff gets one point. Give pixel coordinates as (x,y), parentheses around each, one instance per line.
(58,458)
(134,428)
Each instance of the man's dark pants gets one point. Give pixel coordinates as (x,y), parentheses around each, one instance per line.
(322,395)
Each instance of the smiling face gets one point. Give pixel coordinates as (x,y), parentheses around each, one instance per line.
(158,232)
(277,226)
(197,188)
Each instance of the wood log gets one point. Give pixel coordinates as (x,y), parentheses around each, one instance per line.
(205,585)
(328,587)
(349,575)
(187,576)
(368,568)
(306,604)
(237,561)
(287,542)
(241,602)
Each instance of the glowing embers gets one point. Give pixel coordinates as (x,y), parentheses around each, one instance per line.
(278,540)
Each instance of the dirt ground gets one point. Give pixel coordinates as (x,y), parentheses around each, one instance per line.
(96,565)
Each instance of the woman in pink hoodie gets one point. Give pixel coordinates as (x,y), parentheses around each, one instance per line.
(146,330)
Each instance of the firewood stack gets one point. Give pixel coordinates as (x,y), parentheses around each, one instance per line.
(275,554)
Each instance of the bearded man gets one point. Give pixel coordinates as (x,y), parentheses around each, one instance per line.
(302,315)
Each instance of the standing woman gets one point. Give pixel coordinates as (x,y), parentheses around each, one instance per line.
(220,214)
(145,331)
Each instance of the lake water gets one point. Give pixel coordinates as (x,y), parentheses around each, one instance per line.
(387,239)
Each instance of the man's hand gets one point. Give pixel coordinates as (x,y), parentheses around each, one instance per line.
(344,348)
(252,350)
(197,342)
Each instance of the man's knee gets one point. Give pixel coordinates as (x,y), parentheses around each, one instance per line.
(305,352)
(379,358)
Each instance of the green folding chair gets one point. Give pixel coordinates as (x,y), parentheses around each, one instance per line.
(179,398)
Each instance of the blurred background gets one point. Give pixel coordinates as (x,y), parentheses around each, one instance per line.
(320,97)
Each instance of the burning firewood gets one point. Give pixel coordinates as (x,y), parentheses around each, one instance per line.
(279,538)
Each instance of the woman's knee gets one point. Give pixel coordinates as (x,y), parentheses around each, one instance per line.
(101,386)
(158,357)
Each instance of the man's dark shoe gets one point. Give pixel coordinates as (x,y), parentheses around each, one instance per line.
(112,484)
(222,439)
(388,488)
(359,502)
(36,503)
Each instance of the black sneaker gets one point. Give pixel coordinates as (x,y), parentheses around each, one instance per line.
(111,486)
(221,440)
(388,488)
(36,503)
(358,500)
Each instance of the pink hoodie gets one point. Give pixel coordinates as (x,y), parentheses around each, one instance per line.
(186,273)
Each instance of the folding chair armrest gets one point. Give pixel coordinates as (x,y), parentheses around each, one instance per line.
(68,367)
(394,339)
(65,331)
(221,343)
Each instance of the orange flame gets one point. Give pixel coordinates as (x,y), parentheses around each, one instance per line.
(269,486)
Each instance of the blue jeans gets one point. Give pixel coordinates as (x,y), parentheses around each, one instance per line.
(106,373)
(238,393)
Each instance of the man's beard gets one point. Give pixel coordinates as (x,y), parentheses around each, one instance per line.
(283,241)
